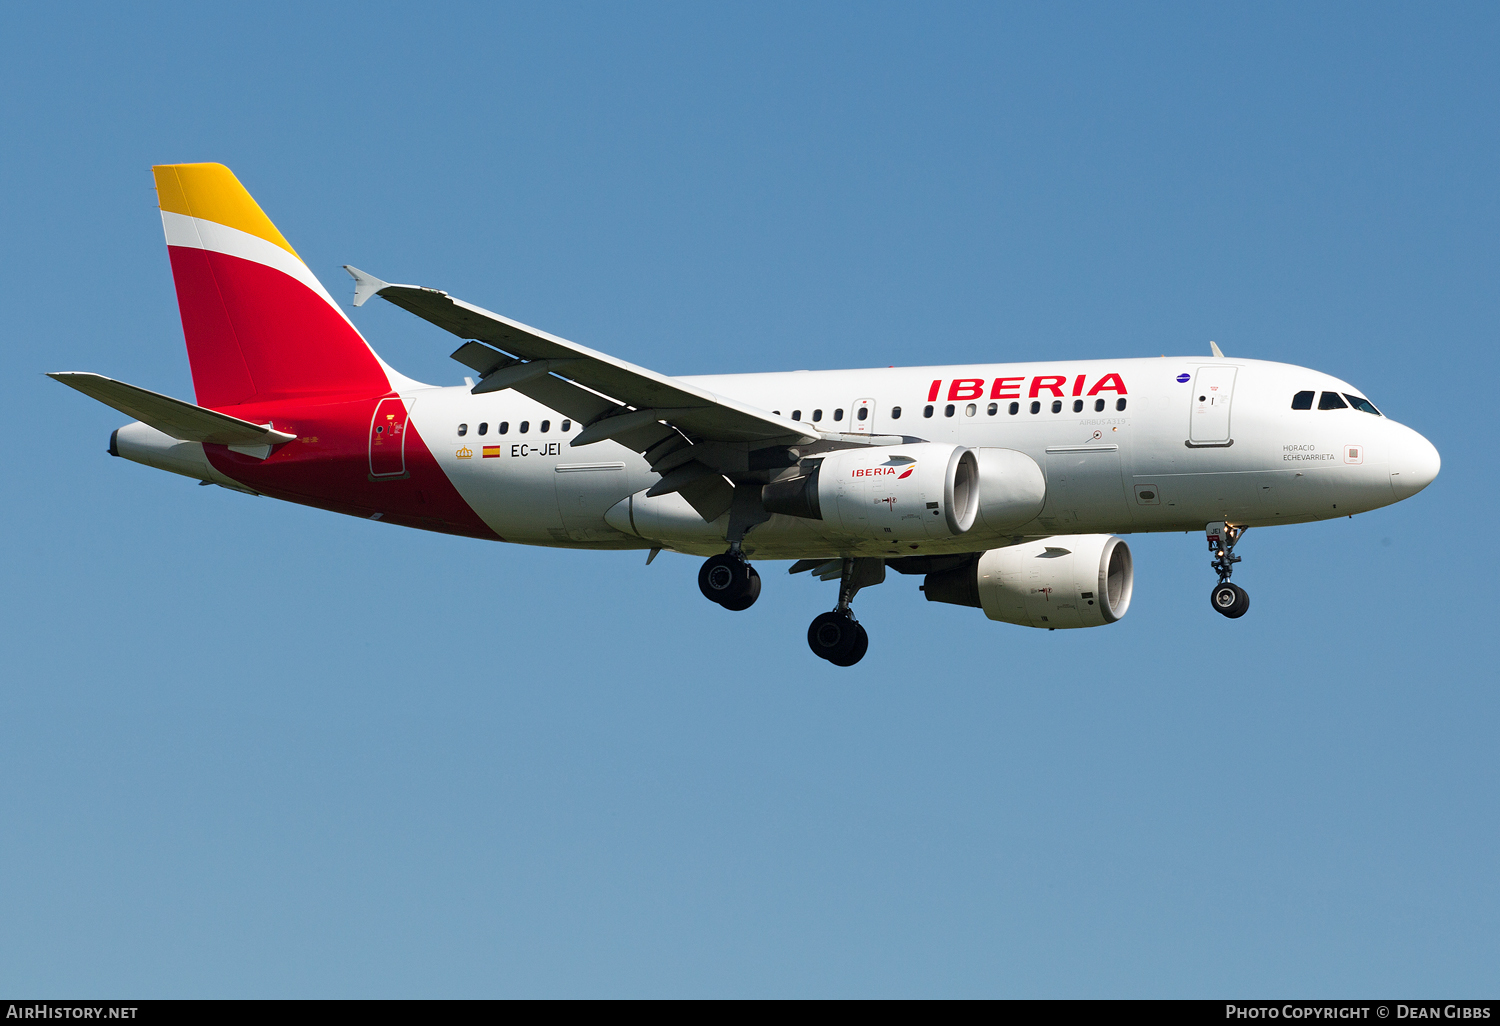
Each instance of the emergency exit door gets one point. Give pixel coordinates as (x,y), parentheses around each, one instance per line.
(388,439)
(861,416)
(1213,391)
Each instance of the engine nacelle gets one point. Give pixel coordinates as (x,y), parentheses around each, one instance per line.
(1076,580)
(890,492)
(1012,489)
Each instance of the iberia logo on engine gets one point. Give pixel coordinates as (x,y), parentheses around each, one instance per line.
(901,466)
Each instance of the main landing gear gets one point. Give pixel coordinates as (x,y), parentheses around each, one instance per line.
(1229,599)
(729,580)
(836,635)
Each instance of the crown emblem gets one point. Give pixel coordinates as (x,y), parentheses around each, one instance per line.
(465,453)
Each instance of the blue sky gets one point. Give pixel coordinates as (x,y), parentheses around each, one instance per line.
(251,749)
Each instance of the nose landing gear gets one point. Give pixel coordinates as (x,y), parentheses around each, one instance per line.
(1227,599)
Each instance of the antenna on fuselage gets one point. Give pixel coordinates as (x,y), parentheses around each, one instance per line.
(1218,353)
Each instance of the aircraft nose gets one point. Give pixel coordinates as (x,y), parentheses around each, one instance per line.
(1414,464)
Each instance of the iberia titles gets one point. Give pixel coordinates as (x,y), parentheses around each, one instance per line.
(1052,385)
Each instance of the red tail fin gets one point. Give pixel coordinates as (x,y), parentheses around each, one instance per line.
(259,325)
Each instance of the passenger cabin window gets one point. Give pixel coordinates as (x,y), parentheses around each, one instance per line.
(895,413)
(864,413)
(1303,400)
(1120,405)
(484,428)
(525,426)
(994,409)
(1015,408)
(796,414)
(502,428)
(1362,405)
(838,414)
(1036,407)
(817,416)
(1077,405)
(1098,405)
(948,410)
(463,429)
(970,410)
(567,425)
(546,426)
(1331,401)
(927,411)
(1057,406)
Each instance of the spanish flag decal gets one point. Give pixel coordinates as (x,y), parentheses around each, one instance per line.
(491,451)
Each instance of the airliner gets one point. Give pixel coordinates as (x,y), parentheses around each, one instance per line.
(1006,487)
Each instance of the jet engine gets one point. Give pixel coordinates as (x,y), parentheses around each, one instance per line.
(1012,489)
(1080,580)
(895,492)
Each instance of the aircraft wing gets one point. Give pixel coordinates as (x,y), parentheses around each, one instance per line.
(173,416)
(698,413)
(698,441)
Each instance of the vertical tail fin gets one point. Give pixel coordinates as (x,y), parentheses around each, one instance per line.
(259,326)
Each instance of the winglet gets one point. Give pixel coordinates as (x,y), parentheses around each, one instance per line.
(365,285)
(1212,345)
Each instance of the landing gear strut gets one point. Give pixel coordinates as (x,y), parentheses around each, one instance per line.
(1228,599)
(729,580)
(836,635)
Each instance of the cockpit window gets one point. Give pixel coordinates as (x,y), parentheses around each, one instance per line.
(1331,401)
(1363,405)
(1303,400)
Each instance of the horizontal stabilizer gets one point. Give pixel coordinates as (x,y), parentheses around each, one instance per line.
(181,420)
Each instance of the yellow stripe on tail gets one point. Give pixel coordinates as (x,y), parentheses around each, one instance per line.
(212,193)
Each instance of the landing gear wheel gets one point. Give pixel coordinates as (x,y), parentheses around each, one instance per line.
(1229,599)
(861,645)
(752,592)
(837,637)
(725,579)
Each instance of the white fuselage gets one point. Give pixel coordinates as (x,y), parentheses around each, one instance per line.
(1144,453)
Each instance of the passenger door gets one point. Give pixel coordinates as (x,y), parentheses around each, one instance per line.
(1213,391)
(388,440)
